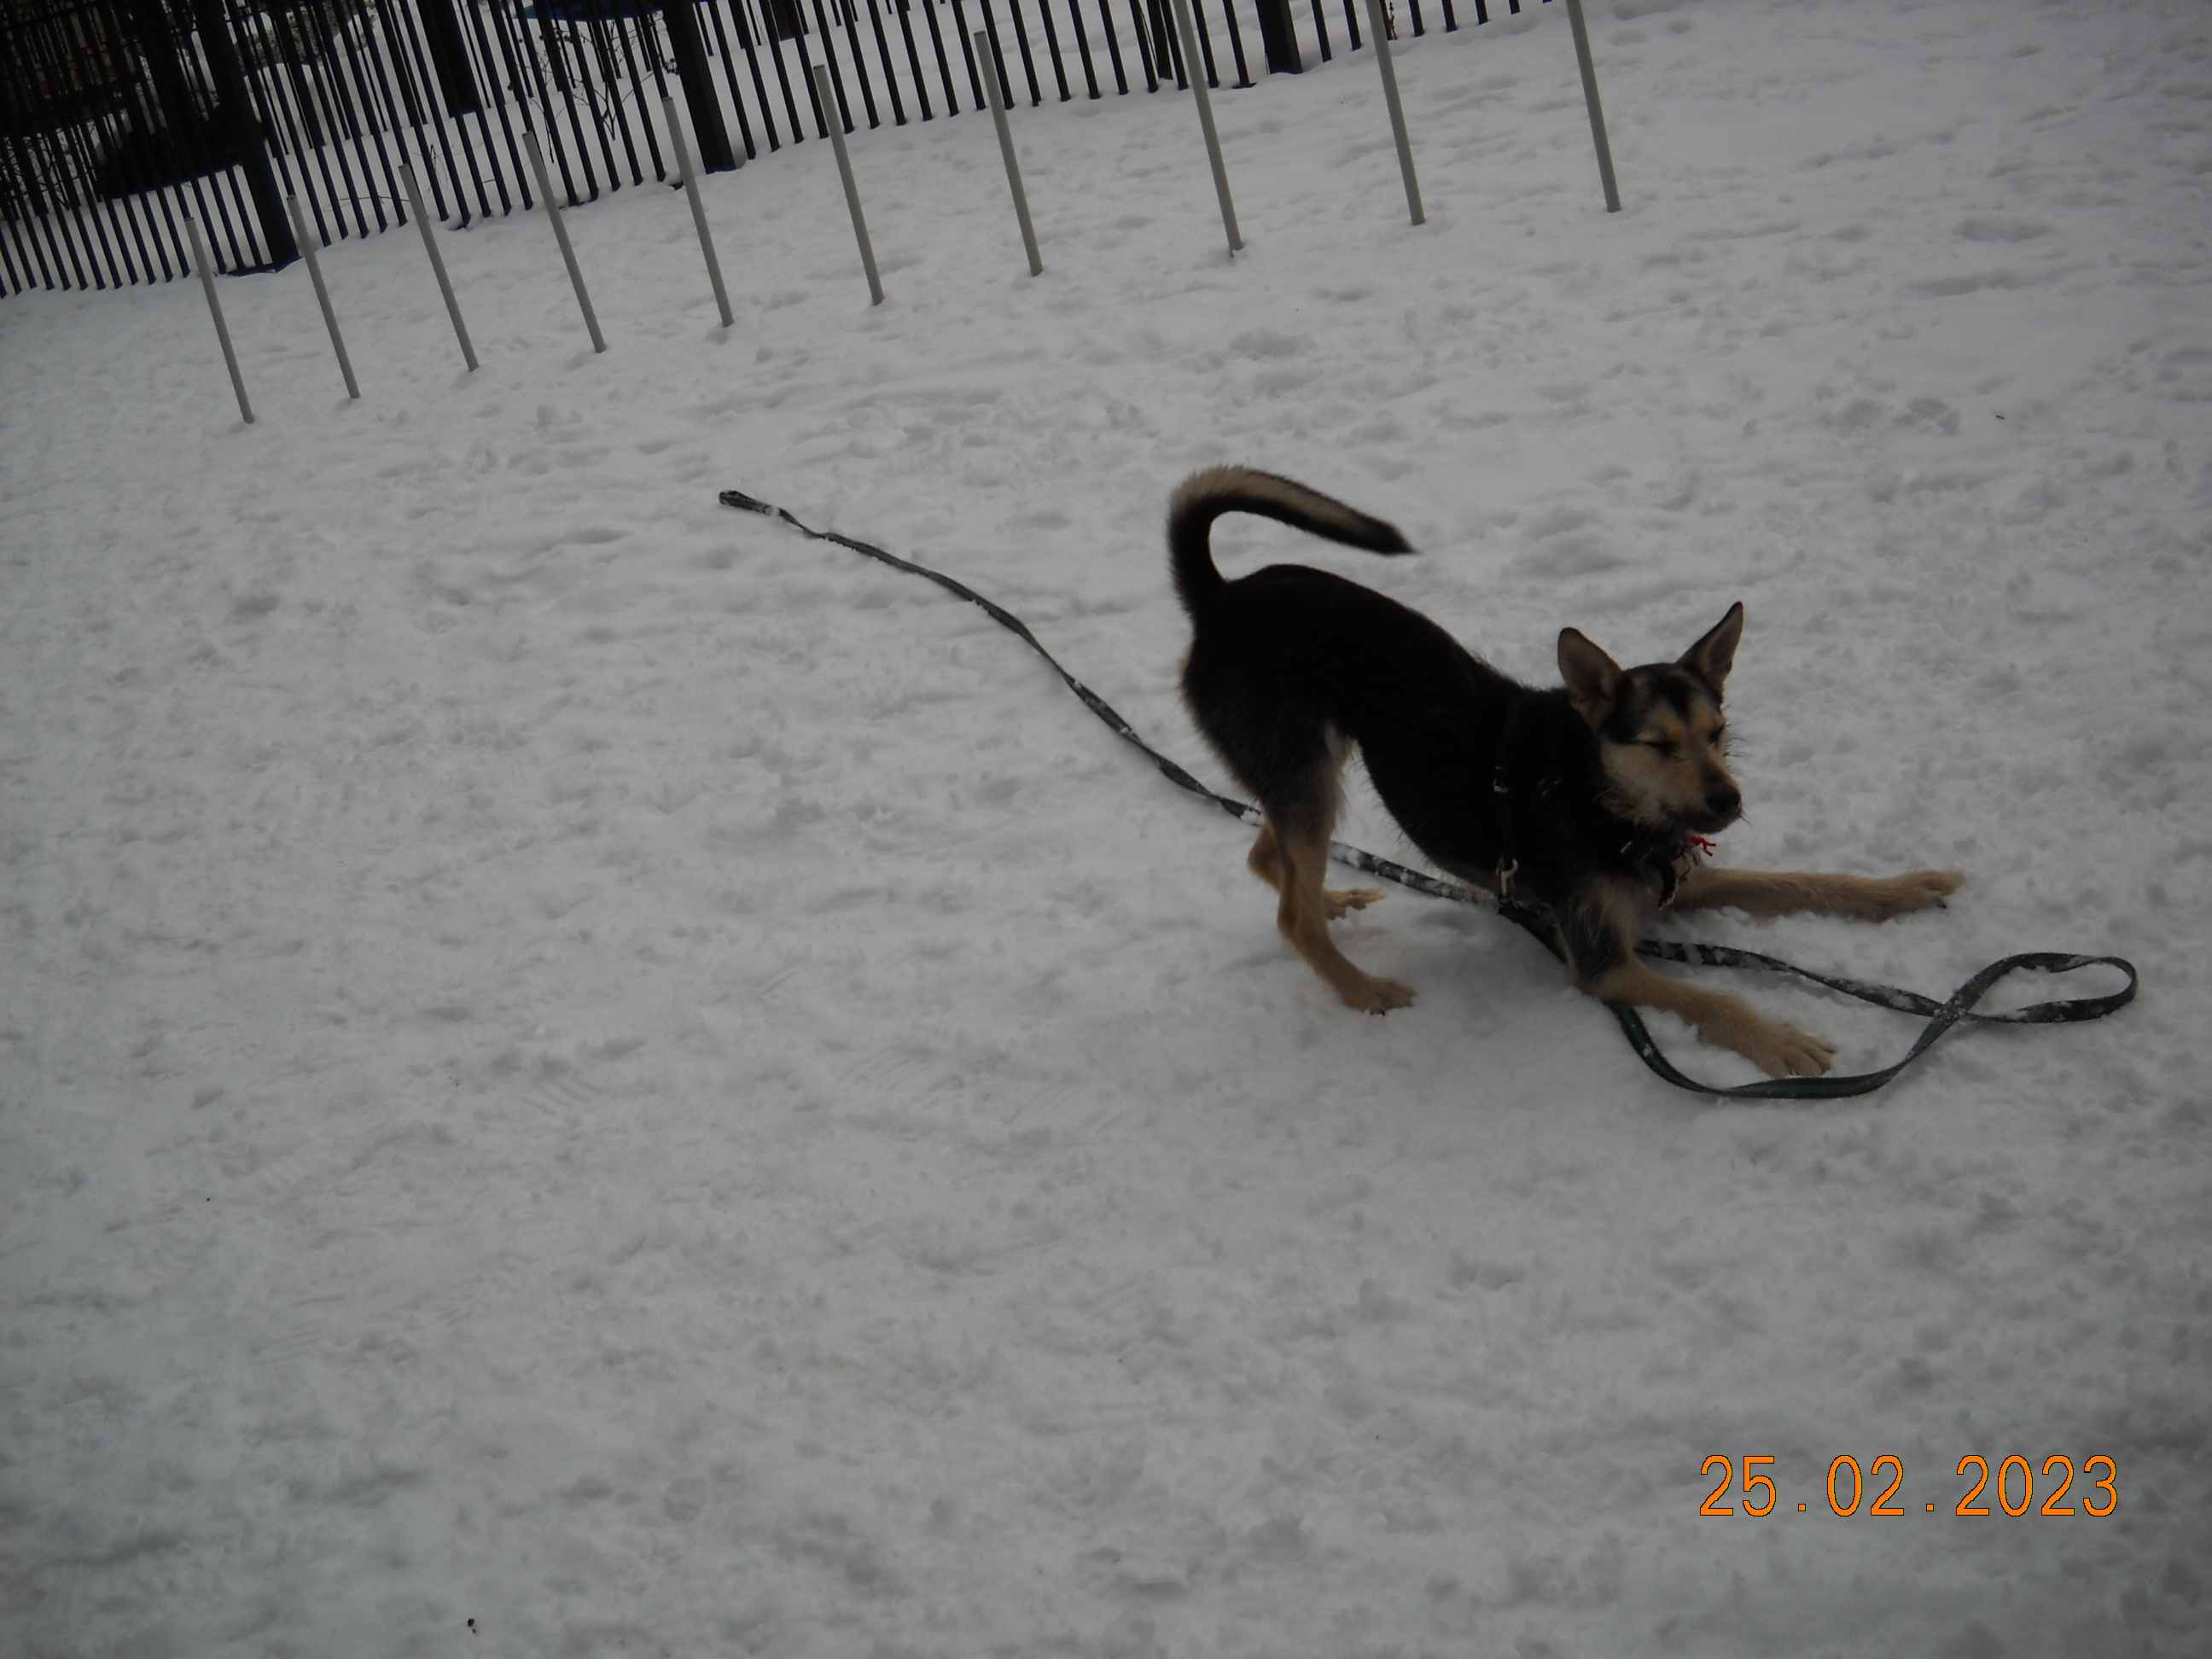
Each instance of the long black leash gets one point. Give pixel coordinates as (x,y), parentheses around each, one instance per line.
(1942,1017)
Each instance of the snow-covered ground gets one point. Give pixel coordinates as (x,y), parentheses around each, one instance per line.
(581,1074)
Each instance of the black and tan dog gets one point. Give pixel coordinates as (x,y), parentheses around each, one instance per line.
(1583,797)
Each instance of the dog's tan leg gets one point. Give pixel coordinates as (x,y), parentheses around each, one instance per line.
(1598,926)
(1266,859)
(1786,892)
(1303,915)
(1342,900)
(1727,1022)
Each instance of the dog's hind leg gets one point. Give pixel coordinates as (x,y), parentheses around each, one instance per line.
(1787,892)
(1265,861)
(1343,900)
(1302,914)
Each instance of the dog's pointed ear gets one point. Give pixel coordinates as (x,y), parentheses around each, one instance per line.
(1711,658)
(1593,678)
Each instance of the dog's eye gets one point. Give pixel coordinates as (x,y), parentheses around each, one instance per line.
(1668,748)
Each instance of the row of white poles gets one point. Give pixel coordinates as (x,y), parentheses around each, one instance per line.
(1378,30)
(1379,34)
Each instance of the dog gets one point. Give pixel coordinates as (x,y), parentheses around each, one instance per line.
(1584,798)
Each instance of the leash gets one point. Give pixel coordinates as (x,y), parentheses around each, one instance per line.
(1943,1017)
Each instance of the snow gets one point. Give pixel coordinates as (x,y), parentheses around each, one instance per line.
(580,1073)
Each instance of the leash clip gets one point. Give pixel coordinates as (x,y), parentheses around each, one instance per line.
(1507,869)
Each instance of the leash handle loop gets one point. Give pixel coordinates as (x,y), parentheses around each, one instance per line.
(1956,1008)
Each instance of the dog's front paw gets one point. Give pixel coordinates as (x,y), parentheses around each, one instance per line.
(1785,1051)
(1900,895)
(1777,1049)
(1378,996)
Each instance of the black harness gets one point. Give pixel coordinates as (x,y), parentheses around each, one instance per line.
(1659,858)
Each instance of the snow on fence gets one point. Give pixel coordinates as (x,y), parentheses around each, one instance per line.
(122,119)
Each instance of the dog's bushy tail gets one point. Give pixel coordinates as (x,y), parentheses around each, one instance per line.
(1205,496)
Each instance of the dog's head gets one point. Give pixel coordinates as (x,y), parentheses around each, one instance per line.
(1661,739)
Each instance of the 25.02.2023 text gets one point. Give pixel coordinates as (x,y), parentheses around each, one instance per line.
(2014,1485)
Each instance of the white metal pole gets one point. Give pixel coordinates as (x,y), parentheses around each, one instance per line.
(1195,73)
(698,207)
(822,90)
(437,264)
(1379,31)
(561,235)
(1007,150)
(300,234)
(1596,110)
(206,268)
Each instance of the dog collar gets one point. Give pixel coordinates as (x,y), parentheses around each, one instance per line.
(1664,856)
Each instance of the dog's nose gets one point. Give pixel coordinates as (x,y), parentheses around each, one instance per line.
(1725,801)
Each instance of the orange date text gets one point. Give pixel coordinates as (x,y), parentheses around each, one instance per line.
(1745,1484)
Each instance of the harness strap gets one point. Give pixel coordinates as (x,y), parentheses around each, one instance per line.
(1943,1017)
(1505,792)
(1502,803)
